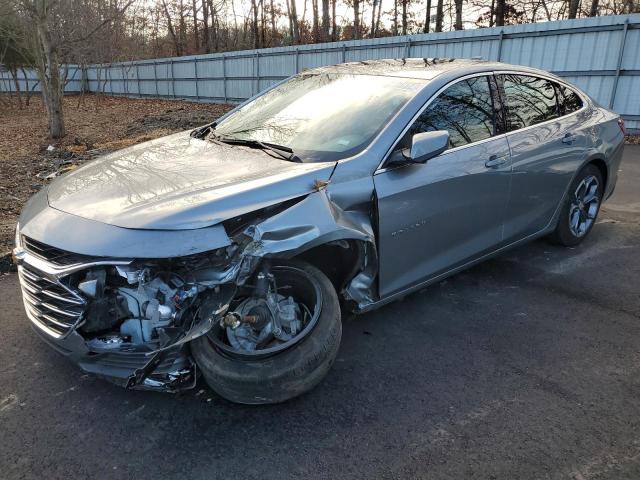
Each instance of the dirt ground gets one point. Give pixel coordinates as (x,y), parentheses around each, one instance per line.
(95,126)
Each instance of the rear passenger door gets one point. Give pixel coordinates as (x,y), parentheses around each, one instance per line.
(547,143)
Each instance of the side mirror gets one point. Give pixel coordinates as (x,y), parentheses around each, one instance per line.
(426,145)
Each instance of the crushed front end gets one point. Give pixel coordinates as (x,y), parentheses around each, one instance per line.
(128,321)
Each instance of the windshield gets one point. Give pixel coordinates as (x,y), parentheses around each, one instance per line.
(322,117)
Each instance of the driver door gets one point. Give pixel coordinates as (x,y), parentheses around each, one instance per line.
(450,210)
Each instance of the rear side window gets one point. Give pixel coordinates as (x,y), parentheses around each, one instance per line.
(528,100)
(568,100)
(465,110)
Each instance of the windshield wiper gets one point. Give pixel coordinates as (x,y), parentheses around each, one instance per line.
(202,131)
(282,151)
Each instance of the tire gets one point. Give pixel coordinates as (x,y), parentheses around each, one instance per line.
(286,374)
(565,232)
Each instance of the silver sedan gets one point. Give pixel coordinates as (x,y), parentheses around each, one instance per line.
(232,250)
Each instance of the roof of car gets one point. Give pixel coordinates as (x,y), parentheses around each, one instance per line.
(423,68)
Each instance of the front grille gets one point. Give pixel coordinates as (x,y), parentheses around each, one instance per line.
(52,306)
(53,255)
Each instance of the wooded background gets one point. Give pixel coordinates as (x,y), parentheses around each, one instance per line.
(50,35)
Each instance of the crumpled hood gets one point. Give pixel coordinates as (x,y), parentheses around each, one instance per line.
(177,182)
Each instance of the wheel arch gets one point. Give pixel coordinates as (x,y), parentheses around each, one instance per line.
(339,260)
(599,162)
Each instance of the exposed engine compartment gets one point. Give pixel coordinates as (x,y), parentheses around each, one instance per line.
(143,306)
(152,309)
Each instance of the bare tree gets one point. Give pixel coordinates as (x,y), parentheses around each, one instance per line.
(499,13)
(458,24)
(206,40)
(439,15)
(574,5)
(356,19)
(404,17)
(427,18)
(326,22)
(60,29)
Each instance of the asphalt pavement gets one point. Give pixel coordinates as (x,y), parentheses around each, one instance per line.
(524,367)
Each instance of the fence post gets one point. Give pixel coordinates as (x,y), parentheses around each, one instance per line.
(500,45)
(344,53)
(138,79)
(297,59)
(195,69)
(125,77)
(614,89)
(407,51)
(173,80)
(224,77)
(257,72)
(155,75)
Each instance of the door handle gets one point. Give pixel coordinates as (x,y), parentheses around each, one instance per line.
(495,161)
(569,138)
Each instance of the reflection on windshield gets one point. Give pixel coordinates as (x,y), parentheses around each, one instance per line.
(322,117)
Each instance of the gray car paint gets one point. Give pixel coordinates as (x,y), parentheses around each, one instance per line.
(172,208)
(181,183)
(452,207)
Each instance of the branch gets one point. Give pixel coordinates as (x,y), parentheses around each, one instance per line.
(102,24)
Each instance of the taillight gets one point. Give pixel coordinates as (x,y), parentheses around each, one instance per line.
(621,125)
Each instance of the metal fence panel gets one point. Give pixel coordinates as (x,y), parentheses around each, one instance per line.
(600,55)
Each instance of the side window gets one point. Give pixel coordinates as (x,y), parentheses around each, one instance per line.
(568,100)
(465,110)
(528,100)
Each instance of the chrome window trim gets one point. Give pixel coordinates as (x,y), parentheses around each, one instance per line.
(390,150)
(585,102)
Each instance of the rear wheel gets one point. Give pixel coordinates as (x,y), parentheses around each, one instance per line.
(580,208)
(283,343)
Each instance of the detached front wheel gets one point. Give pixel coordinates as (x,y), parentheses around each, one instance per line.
(279,340)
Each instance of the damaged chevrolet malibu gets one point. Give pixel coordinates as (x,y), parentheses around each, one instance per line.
(231,251)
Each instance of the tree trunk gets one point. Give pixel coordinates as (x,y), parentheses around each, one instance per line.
(256,38)
(49,73)
(182,27)
(273,23)
(356,19)
(404,17)
(262,25)
(205,27)
(427,18)
(395,18)
(195,26)
(172,30)
(378,17)
(458,25)
(296,25)
(499,13)
(334,27)
(594,8)
(372,33)
(439,15)
(492,12)
(316,20)
(573,8)
(28,92)
(326,21)
(16,82)
(290,20)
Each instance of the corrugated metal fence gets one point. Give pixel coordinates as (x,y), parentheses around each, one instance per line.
(600,55)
